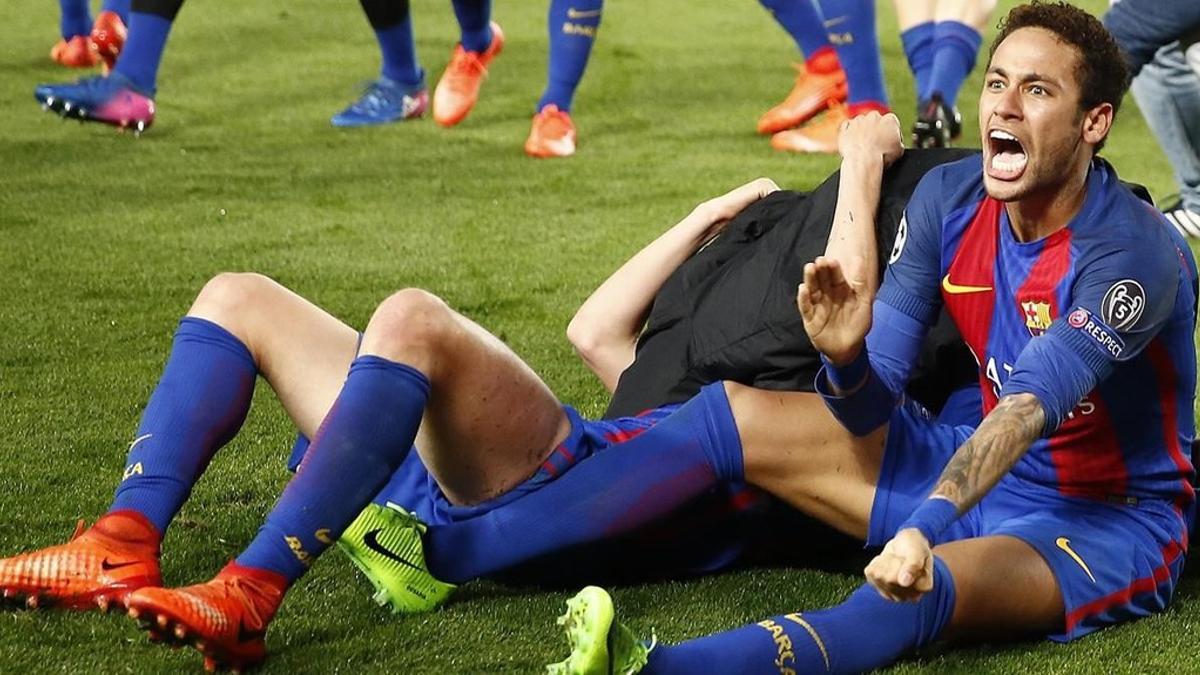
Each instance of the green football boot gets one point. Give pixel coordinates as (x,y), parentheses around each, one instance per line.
(385,543)
(600,645)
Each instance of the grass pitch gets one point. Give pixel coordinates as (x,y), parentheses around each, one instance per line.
(105,239)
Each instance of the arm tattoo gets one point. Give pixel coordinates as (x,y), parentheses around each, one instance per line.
(1005,434)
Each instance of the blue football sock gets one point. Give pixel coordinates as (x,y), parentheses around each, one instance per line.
(121,7)
(143,51)
(474,20)
(614,491)
(74,18)
(918,49)
(198,406)
(392,23)
(863,633)
(955,46)
(573,25)
(851,25)
(803,21)
(363,439)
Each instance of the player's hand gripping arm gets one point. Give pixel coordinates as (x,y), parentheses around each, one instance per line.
(605,329)
(904,569)
(835,298)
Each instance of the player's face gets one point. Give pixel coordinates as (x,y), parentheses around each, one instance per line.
(1029,116)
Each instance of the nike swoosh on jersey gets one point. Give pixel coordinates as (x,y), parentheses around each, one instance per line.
(371,539)
(1065,545)
(954,289)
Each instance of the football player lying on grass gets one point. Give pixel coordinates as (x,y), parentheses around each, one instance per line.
(503,470)
(1079,301)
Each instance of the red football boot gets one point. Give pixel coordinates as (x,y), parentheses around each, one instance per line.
(108,38)
(74,53)
(100,566)
(225,619)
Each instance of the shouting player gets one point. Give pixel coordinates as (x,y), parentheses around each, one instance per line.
(1079,302)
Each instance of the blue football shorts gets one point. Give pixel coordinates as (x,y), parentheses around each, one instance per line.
(1114,560)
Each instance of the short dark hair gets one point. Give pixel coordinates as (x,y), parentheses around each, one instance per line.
(1102,73)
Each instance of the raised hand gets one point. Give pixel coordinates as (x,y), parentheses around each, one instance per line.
(903,571)
(871,135)
(836,314)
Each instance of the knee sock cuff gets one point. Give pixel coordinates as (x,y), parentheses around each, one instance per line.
(959,36)
(372,362)
(724,444)
(195,329)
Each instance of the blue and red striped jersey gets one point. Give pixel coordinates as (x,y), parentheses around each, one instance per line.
(1096,320)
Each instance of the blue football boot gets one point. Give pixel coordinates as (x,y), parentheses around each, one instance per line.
(384,101)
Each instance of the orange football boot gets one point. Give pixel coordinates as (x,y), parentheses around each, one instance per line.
(812,93)
(98,568)
(75,53)
(818,136)
(225,619)
(552,135)
(458,90)
(108,37)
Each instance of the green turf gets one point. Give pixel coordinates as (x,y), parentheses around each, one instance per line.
(105,239)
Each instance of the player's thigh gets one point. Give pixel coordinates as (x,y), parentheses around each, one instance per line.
(1003,589)
(301,350)
(794,448)
(490,421)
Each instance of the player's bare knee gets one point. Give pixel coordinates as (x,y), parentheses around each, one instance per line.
(409,326)
(230,299)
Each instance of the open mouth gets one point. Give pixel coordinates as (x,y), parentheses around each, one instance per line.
(1007,159)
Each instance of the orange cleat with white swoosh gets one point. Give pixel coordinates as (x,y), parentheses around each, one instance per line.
(552,134)
(99,567)
(458,90)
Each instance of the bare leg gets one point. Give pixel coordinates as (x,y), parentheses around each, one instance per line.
(490,421)
(910,13)
(794,448)
(985,571)
(974,13)
(301,350)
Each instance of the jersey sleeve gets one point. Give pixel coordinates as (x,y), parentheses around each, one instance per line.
(903,311)
(1120,300)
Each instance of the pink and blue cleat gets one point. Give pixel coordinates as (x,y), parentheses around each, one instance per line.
(112,100)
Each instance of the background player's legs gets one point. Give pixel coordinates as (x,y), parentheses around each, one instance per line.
(851,26)
(150,24)
(75,18)
(125,97)
(73,48)
(572,25)
(399,92)
(796,450)
(474,19)
(973,595)
(820,82)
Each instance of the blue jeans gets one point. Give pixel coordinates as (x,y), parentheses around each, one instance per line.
(1165,87)
(1168,93)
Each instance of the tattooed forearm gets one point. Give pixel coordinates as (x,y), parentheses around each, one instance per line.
(1005,434)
